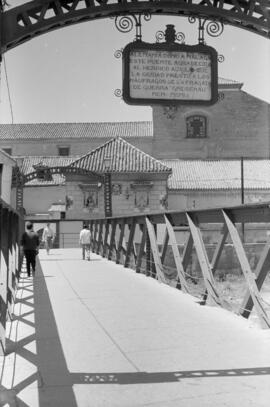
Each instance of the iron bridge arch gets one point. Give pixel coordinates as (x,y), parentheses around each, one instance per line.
(49,171)
(19,180)
(31,19)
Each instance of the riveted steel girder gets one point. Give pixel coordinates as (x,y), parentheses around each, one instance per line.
(22,23)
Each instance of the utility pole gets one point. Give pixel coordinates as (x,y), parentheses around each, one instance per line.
(242,181)
(242,194)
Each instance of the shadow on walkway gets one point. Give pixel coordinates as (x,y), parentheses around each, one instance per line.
(52,381)
(48,359)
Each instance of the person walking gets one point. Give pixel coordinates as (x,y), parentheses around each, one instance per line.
(30,244)
(48,237)
(85,240)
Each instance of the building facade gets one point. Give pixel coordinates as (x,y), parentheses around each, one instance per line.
(195,153)
(236,126)
(76,191)
(7,163)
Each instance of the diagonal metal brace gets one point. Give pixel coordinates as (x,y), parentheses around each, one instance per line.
(155,251)
(213,295)
(248,274)
(177,257)
(262,269)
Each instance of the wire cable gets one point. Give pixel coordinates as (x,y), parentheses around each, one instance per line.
(8,90)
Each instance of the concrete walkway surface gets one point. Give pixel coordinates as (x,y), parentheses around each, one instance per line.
(94,334)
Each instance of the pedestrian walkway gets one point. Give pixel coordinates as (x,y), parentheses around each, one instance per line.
(94,334)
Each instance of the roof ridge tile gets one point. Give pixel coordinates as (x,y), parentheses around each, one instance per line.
(129,158)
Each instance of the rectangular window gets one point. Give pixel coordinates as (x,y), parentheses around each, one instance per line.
(196,127)
(7,150)
(63,151)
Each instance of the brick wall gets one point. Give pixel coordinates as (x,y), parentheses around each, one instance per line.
(122,203)
(49,147)
(238,125)
(38,199)
(182,200)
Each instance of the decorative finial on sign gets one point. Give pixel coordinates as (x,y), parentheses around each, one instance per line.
(170,34)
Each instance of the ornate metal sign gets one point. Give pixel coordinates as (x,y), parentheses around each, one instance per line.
(169,73)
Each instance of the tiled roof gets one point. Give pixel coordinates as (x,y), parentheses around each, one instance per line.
(125,158)
(218,174)
(229,84)
(76,130)
(28,162)
(29,131)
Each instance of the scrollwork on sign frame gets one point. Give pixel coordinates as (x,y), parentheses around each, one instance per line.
(126,23)
(213,28)
(118,53)
(118,93)
(177,37)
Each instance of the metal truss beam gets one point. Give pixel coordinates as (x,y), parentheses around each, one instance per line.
(153,253)
(177,257)
(22,23)
(249,213)
(261,273)
(247,272)
(206,269)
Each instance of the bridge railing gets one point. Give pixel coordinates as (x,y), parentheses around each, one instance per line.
(11,227)
(145,242)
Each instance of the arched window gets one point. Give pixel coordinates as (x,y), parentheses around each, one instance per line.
(196,126)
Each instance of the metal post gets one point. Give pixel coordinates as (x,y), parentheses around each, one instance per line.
(148,255)
(107,195)
(242,194)
(242,181)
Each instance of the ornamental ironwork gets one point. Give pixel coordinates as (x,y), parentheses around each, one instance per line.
(170,36)
(34,18)
(126,23)
(19,179)
(213,28)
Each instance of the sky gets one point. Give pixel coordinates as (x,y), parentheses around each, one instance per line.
(71,74)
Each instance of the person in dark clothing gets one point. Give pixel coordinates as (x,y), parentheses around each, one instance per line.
(30,244)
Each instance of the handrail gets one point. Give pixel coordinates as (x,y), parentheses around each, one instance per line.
(133,241)
(11,227)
